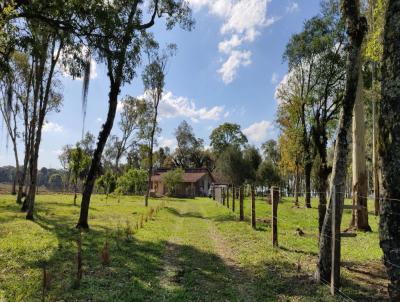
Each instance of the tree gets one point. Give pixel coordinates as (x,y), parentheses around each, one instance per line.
(133,181)
(78,163)
(356,28)
(359,168)
(316,80)
(374,53)
(132,116)
(107,182)
(267,174)
(225,135)
(190,150)
(271,151)
(172,178)
(389,146)
(154,81)
(118,40)
(232,167)
(55,182)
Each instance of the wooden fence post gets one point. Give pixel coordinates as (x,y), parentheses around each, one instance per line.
(275,201)
(233,198)
(227,196)
(335,268)
(241,198)
(253,208)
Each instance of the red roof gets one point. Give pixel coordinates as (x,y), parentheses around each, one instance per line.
(190,175)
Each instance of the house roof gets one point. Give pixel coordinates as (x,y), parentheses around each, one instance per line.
(190,175)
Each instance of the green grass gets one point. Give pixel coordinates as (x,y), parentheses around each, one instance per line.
(192,250)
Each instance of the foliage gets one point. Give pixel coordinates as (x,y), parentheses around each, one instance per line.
(133,181)
(225,135)
(374,39)
(189,152)
(172,178)
(253,160)
(232,166)
(107,182)
(268,174)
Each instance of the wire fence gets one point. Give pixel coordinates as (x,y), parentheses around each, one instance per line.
(310,217)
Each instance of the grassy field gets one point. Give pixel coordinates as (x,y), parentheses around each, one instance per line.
(191,250)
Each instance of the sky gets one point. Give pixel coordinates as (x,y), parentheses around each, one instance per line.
(225,70)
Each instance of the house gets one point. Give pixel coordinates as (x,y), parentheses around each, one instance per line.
(195,183)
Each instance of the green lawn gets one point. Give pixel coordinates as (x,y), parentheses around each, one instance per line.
(192,250)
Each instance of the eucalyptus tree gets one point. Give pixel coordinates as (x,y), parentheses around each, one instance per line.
(117,39)
(154,81)
(12,89)
(133,116)
(316,80)
(189,152)
(389,130)
(356,26)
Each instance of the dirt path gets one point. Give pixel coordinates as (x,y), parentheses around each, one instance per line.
(199,260)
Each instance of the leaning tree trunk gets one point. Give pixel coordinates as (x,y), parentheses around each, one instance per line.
(389,149)
(356,28)
(323,174)
(360,177)
(95,164)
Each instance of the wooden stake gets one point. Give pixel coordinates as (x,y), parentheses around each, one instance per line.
(275,201)
(253,208)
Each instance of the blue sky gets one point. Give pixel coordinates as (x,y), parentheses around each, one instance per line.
(225,70)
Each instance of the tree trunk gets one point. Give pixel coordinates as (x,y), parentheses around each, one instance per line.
(389,149)
(241,202)
(253,207)
(360,181)
(322,190)
(233,198)
(307,175)
(75,195)
(356,27)
(95,164)
(296,186)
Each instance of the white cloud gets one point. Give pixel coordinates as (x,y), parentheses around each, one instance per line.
(243,21)
(52,127)
(167,142)
(292,7)
(232,64)
(174,106)
(274,78)
(258,132)
(99,119)
(227,46)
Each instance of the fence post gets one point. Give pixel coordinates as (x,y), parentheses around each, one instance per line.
(275,201)
(335,266)
(241,198)
(233,198)
(227,196)
(253,207)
